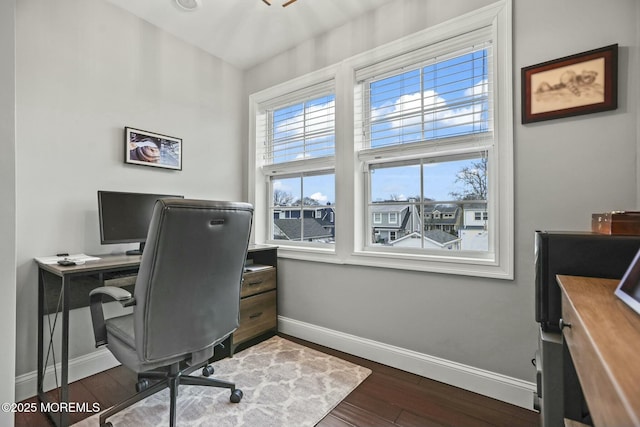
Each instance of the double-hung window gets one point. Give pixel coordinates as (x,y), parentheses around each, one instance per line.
(431,140)
(297,151)
(408,146)
(426,120)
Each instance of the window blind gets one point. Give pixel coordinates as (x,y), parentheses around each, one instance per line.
(300,125)
(421,96)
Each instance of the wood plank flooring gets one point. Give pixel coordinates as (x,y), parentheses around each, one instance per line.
(387,398)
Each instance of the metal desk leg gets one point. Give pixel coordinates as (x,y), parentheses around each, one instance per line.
(60,418)
(41,311)
(64,381)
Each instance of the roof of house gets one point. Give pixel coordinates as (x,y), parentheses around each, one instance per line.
(454,210)
(475,206)
(444,208)
(388,208)
(290,228)
(440,236)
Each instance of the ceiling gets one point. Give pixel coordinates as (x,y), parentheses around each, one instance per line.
(247,32)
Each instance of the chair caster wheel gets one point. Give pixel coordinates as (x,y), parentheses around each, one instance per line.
(236,396)
(142,385)
(207,371)
(107,424)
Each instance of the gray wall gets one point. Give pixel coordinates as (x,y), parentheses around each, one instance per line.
(85,70)
(564,171)
(7,207)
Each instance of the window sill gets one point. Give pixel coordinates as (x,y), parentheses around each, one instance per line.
(475,267)
(308,253)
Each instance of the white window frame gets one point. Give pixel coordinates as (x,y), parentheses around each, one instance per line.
(351,194)
(395,218)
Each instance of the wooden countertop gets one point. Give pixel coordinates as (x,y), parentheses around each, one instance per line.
(604,342)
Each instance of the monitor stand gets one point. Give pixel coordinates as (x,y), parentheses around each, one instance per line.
(136,251)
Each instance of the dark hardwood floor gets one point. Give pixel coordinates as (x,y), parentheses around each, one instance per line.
(387,398)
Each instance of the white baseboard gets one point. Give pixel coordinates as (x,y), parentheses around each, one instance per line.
(79,367)
(491,384)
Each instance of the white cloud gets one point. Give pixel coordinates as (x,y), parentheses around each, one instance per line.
(479,89)
(407,110)
(319,197)
(319,118)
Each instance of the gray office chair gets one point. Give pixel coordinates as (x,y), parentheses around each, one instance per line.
(186,298)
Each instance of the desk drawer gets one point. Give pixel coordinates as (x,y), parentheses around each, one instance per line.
(257,315)
(257,282)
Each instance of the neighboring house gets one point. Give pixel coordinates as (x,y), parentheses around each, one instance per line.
(432,239)
(327,218)
(474,233)
(445,217)
(475,215)
(391,222)
(474,239)
(399,225)
(292,229)
(325,215)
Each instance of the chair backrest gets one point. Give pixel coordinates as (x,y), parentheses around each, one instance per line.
(188,287)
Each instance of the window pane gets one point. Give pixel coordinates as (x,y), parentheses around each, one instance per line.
(395,183)
(456,180)
(285,210)
(396,109)
(319,208)
(286,191)
(430,204)
(445,98)
(393,214)
(456,96)
(458,189)
(303,130)
(310,218)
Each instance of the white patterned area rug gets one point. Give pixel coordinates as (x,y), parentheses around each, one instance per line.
(284,384)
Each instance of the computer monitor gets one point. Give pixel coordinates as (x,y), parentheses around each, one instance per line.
(125,217)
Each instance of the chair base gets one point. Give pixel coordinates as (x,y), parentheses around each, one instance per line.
(170,378)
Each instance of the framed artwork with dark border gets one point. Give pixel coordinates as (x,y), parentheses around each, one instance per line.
(152,149)
(583,83)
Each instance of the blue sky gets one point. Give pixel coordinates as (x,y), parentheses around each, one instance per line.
(404,181)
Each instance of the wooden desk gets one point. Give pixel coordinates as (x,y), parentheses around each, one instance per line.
(603,338)
(258,313)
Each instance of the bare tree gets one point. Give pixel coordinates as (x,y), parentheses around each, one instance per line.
(281,198)
(307,201)
(474,179)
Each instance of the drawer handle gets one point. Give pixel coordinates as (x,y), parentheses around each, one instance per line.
(564,324)
(255,315)
(257,282)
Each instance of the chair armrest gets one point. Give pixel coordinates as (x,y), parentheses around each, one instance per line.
(97,315)
(116,293)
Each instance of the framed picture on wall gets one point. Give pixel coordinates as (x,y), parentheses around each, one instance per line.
(152,149)
(583,83)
